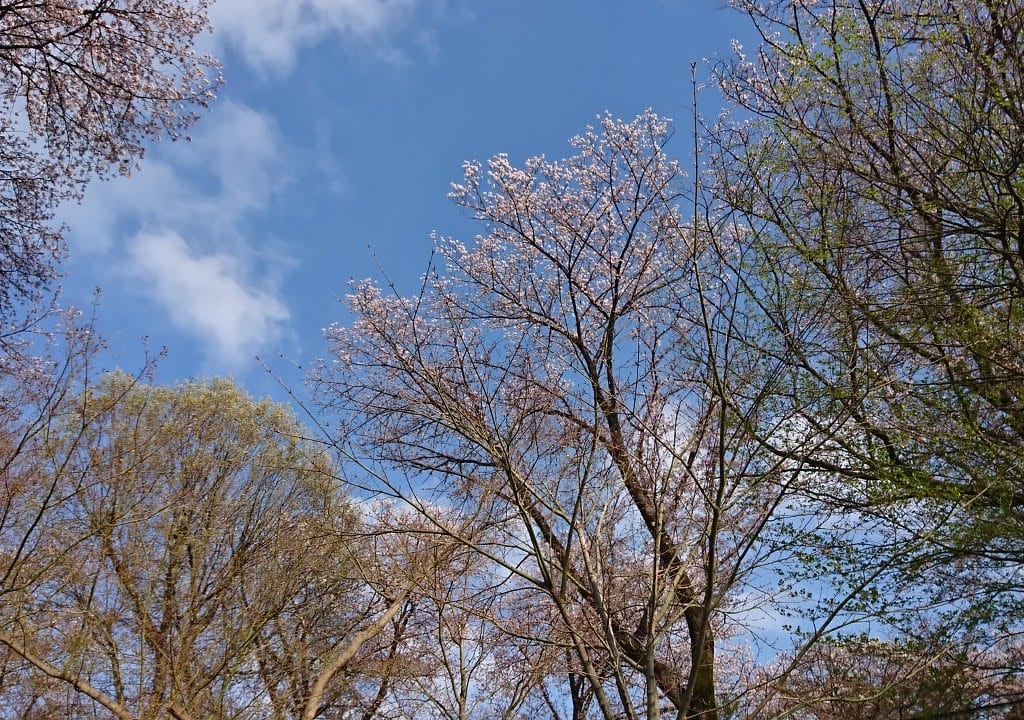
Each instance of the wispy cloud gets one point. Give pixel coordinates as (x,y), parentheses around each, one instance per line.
(270,33)
(217,277)
(206,295)
(231,167)
(184,229)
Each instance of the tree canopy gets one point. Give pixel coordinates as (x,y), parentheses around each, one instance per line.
(741,443)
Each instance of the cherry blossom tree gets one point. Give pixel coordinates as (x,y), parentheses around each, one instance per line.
(582,387)
(84,85)
(38,390)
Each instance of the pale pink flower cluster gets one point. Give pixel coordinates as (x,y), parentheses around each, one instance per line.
(83,86)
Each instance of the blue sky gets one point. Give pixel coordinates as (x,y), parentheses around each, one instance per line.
(329,151)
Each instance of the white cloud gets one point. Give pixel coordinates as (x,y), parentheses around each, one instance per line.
(184,230)
(153,192)
(270,33)
(206,187)
(207,295)
(238,146)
